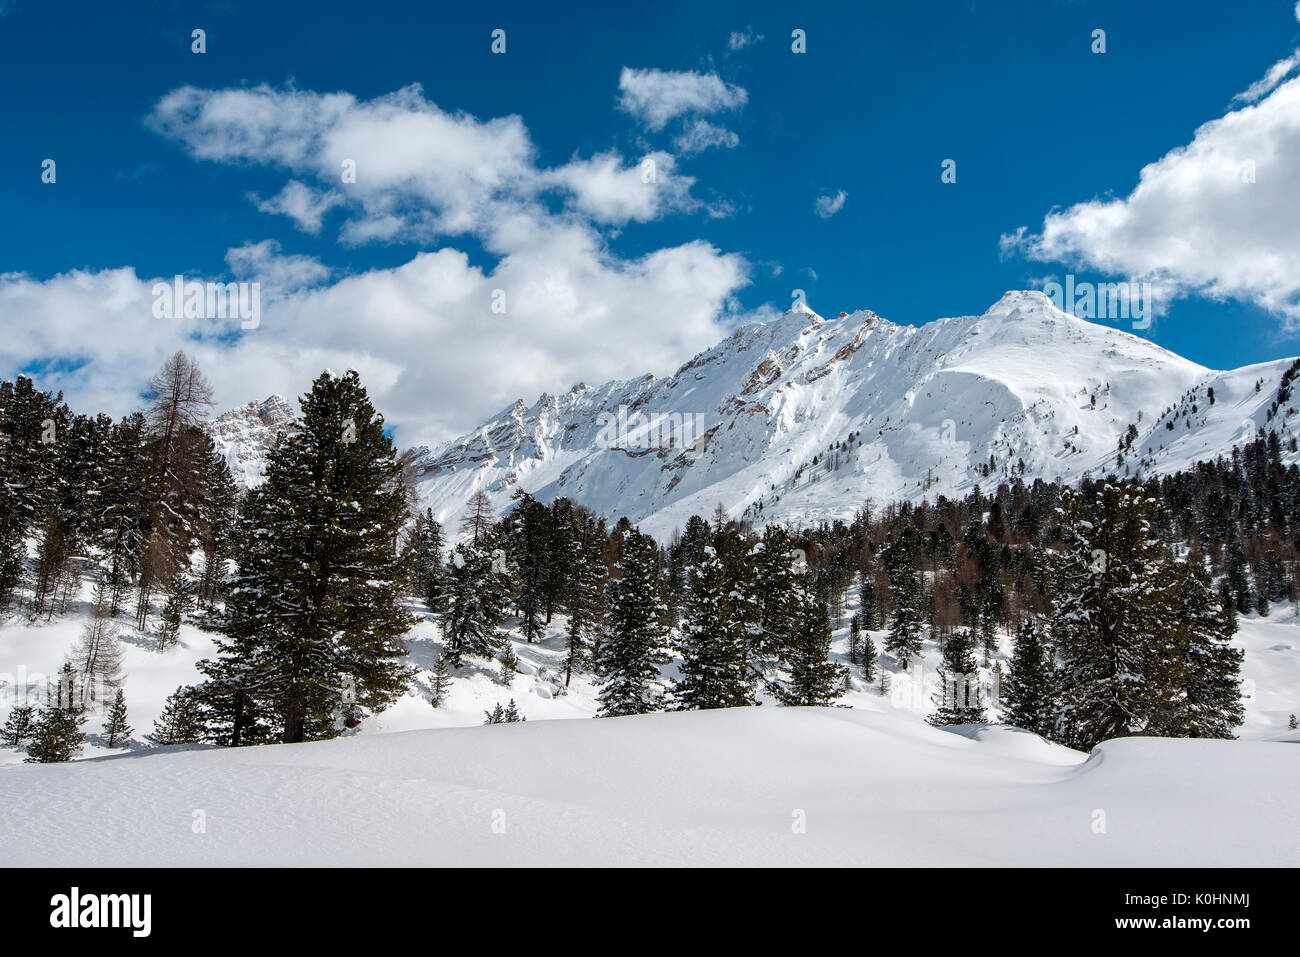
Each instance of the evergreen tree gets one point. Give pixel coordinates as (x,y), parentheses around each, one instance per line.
(775,589)
(632,651)
(585,597)
(474,601)
(813,678)
(56,735)
(116,728)
(509,662)
(1029,693)
(179,598)
(714,672)
(907,626)
(1209,673)
(957,696)
(869,604)
(316,610)
(868,657)
(1114,617)
(855,640)
(18,726)
(181,721)
(440,680)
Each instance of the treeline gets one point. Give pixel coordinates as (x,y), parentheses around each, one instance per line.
(1120,594)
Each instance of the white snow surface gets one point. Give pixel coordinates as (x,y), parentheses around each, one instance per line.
(871,783)
(757,786)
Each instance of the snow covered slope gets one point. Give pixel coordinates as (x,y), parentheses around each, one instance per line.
(802,419)
(245,435)
(755,786)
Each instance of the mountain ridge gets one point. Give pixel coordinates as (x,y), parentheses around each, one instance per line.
(802,418)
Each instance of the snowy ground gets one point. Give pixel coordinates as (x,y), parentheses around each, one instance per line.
(871,783)
(770,786)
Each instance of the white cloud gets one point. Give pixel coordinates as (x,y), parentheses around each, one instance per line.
(827,206)
(1216,217)
(608,191)
(304,205)
(435,356)
(701,135)
(280,275)
(1269,81)
(656,97)
(742,39)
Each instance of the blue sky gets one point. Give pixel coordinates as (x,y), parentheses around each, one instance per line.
(163,167)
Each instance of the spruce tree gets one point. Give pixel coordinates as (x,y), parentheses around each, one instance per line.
(813,679)
(473,601)
(957,696)
(907,625)
(868,658)
(440,680)
(56,735)
(509,662)
(632,651)
(1029,694)
(18,726)
(316,608)
(181,721)
(116,728)
(1209,673)
(1114,618)
(714,672)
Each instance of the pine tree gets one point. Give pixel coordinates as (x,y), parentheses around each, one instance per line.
(813,678)
(218,511)
(633,652)
(907,626)
(509,662)
(181,721)
(496,716)
(1114,617)
(56,735)
(775,589)
(957,695)
(1029,693)
(855,640)
(512,714)
(116,728)
(585,598)
(1209,669)
(315,611)
(869,603)
(474,601)
(179,598)
(18,726)
(714,672)
(440,680)
(868,658)
(1293,723)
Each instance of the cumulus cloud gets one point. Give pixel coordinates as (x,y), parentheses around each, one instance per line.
(828,205)
(441,341)
(1216,217)
(610,191)
(656,97)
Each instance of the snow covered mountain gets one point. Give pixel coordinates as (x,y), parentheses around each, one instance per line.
(803,418)
(245,435)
